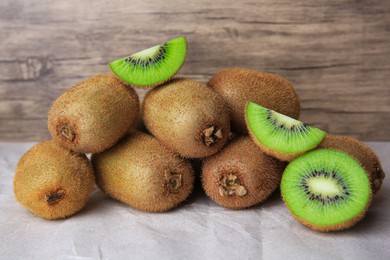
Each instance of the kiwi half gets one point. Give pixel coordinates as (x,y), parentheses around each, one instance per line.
(361,153)
(94,114)
(237,86)
(53,182)
(241,175)
(139,171)
(188,117)
(153,66)
(326,190)
(278,135)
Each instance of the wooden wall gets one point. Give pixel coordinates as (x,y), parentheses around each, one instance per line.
(336,53)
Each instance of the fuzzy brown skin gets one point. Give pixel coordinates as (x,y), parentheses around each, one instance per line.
(259,173)
(182,112)
(53,182)
(337,227)
(361,153)
(141,172)
(93,115)
(237,86)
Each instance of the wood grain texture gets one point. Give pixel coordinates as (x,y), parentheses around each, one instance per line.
(336,53)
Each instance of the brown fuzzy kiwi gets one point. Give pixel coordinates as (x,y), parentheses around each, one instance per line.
(241,175)
(237,86)
(93,115)
(53,182)
(141,172)
(361,153)
(188,117)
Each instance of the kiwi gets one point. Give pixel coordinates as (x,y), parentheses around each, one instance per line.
(93,115)
(153,66)
(361,153)
(187,117)
(237,86)
(139,171)
(53,182)
(241,175)
(326,190)
(279,135)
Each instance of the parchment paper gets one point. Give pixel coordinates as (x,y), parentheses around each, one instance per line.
(199,229)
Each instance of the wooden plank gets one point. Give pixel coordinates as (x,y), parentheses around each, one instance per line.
(335,53)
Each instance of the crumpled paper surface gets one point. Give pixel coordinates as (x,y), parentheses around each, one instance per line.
(199,229)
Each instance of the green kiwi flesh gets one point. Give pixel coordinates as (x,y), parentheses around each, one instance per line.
(53,182)
(153,66)
(326,190)
(241,175)
(237,86)
(139,171)
(279,135)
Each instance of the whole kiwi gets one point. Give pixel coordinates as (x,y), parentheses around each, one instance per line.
(241,175)
(188,117)
(93,115)
(53,182)
(141,172)
(361,153)
(237,86)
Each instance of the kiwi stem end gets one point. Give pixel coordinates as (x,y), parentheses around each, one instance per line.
(67,132)
(211,135)
(173,182)
(54,197)
(230,185)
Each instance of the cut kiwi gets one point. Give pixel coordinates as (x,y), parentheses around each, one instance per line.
(278,135)
(326,190)
(153,66)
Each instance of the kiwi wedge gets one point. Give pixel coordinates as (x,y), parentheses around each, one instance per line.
(326,190)
(241,175)
(188,117)
(279,135)
(237,86)
(53,182)
(153,66)
(93,115)
(361,153)
(139,171)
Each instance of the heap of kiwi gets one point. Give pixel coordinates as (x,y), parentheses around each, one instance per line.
(328,183)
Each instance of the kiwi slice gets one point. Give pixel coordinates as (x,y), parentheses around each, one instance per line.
(279,135)
(241,175)
(53,182)
(326,190)
(153,66)
(361,153)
